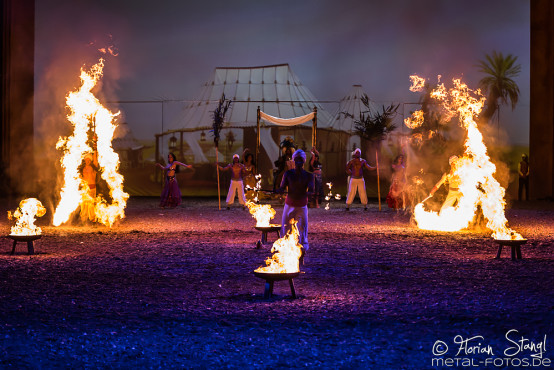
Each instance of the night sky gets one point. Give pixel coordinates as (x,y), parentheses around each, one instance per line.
(168,49)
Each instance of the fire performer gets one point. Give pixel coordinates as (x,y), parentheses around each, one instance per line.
(238,170)
(315,168)
(171,194)
(300,185)
(454,181)
(355,169)
(395,197)
(89,170)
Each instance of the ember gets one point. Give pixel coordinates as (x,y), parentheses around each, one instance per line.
(88,116)
(25,216)
(329,195)
(475,170)
(286,254)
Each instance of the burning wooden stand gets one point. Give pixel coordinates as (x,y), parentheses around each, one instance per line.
(265,230)
(514,244)
(25,238)
(271,278)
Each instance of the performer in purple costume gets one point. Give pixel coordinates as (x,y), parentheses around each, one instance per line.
(171,194)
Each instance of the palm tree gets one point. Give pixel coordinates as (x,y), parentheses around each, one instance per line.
(374,126)
(498,84)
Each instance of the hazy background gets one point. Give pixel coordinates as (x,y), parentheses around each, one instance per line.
(167,49)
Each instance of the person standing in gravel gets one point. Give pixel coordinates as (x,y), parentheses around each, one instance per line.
(523,171)
(171,194)
(355,169)
(300,184)
(236,186)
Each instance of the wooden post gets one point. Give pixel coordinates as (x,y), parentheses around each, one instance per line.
(217,170)
(314,129)
(378,183)
(257,137)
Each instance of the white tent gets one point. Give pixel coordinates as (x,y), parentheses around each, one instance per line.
(275,89)
(350,107)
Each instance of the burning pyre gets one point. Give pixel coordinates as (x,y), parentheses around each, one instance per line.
(286,254)
(25,215)
(90,118)
(475,169)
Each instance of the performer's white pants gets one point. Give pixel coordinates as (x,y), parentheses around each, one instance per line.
(300,214)
(236,185)
(359,186)
(451,198)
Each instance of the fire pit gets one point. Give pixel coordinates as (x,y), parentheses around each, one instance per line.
(25,238)
(265,230)
(514,244)
(271,278)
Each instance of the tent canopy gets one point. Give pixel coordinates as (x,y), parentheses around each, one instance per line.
(353,105)
(275,89)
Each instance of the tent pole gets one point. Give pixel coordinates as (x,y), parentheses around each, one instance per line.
(257,137)
(314,128)
(378,182)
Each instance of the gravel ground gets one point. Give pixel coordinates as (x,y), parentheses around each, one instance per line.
(174,288)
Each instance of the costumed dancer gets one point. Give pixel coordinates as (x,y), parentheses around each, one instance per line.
(395,197)
(237,172)
(300,184)
(171,194)
(316,169)
(249,178)
(89,170)
(453,181)
(355,169)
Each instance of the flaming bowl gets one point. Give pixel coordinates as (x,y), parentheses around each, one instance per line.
(274,276)
(24,238)
(271,227)
(511,242)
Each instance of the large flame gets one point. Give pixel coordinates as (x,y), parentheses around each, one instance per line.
(25,215)
(286,254)
(478,185)
(263,213)
(88,114)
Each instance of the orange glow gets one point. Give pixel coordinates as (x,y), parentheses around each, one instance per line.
(25,215)
(474,168)
(86,115)
(286,254)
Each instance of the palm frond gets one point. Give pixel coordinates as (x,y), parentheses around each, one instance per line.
(219,117)
(375,126)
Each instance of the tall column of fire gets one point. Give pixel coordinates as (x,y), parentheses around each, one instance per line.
(89,116)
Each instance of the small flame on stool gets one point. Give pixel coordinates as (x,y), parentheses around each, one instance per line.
(286,254)
(263,213)
(25,215)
